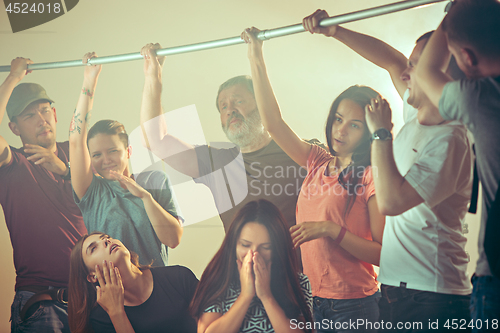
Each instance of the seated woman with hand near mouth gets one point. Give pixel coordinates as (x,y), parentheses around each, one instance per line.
(110,292)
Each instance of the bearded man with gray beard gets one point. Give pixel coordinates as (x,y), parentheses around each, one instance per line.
(251,167)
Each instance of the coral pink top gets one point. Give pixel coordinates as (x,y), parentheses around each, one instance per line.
(333,272)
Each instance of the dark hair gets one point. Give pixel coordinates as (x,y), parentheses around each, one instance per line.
(222,271)
(81,293)
(361,157)
(425,37)
(475,23)
(244,80)
(109,127)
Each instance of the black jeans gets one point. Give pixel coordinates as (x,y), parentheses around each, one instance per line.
(409,310)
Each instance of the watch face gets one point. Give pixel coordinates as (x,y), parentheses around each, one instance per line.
(382,134)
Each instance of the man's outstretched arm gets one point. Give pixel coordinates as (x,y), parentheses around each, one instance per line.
(431,66)
(175,152)
(370,48)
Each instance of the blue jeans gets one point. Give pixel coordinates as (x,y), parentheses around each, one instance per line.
(409,310)
(343,315)
(485,303)
(43,317)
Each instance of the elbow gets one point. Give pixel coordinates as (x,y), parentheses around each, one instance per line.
(175,241)
(174,244)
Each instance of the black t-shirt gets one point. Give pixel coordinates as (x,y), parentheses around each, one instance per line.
(166,310)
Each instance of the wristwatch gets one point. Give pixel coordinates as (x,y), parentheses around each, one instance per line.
(381,134)
(68,176)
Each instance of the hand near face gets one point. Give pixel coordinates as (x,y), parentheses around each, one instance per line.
(378,114)
(91,72)
(311,24)
(47,159)
(19,68)
(247,280)
(131,185)
(307,231)
(152,63)
(254,44)
(110,289)
(262,272)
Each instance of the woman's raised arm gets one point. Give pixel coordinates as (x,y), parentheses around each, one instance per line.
(79,157)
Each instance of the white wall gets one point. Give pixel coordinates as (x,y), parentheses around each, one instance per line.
(307,72)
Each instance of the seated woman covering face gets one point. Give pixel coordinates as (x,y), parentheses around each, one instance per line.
(253,283)
(110,292)
(339,227)
(137,209)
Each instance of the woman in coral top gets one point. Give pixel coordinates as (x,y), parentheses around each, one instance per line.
(339,227)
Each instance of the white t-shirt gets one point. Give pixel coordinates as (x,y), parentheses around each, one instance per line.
(424,247)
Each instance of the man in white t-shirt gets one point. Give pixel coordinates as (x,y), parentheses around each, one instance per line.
(424,187)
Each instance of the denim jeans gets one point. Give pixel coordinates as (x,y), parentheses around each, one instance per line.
(43,317)
(485,303)
(343,315)
(409,310)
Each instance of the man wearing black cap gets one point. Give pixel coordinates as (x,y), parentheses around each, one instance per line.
(43,221)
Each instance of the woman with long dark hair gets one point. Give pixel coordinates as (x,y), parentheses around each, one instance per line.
(339,227)
(110,292)
(253,282)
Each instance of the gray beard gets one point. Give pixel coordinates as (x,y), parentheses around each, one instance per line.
(248,131)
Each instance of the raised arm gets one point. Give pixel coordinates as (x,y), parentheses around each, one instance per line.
(431,66)
(81,169)
(269,110)
(18,70)
(394,194)
(175,152)
(370,48)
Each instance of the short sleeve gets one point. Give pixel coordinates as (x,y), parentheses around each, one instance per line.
(442,170)
(457,100)
(216,307)
(305,285)
(317,157)
(190,283)
(167,199)
(184,281)
(158,184)
(204,161)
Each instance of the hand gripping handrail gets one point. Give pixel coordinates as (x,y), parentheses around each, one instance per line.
(264,35)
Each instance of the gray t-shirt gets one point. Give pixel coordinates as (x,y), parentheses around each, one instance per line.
(109,208)
(476,103)
(236,178)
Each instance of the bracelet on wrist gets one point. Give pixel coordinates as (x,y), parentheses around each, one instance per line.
(339,238)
